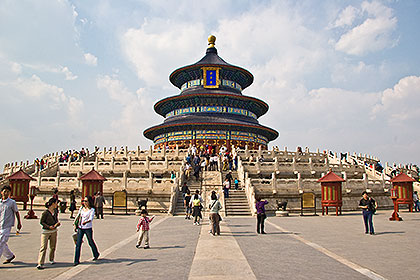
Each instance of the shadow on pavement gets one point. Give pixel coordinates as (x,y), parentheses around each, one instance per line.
(13,235)
(123,260)
(389,232)
(18,264)
(238,225)
(167,247)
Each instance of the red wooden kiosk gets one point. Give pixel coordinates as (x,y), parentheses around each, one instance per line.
(394,197)
(403,184)
(19,182)
(92,182)
(331,195)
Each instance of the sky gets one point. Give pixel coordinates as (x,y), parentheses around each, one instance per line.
(337,75)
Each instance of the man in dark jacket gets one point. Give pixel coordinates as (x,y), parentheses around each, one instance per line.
(368,206)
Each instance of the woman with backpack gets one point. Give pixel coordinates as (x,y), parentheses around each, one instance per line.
(215,206)
(197,202)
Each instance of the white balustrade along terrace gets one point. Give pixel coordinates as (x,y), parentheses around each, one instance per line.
(119,166)
(132,185)
(124,153)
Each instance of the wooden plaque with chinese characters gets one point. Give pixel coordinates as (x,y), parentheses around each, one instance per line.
(308,200)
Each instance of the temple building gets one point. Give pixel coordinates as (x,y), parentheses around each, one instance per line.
(211,109)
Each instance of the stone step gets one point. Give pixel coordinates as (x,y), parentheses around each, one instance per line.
(238,214)
(237,208)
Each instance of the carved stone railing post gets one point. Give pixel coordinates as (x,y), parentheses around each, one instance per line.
(150,181)
(39,179)
(125,180)
(345,183)
(147,162)
(274,182)
(112,163)
(299,180)
(79,174)
(57,179)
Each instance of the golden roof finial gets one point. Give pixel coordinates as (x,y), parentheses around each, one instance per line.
(211,40)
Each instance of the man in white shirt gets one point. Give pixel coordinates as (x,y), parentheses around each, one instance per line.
(8,210)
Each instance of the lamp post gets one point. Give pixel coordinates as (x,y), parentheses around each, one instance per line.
(31,213)
(394,197)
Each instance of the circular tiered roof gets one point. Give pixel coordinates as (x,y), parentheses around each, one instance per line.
(211,98)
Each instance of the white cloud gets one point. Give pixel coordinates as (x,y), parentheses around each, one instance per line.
(346,17)
(69,75)
(90,59)
(400,104)
(135,112)
(374,34)
(34,87)
(159,46)
(16,68)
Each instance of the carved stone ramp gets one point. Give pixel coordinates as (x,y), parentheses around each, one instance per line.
(219,257)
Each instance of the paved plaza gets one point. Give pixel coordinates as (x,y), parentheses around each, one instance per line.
(321,247)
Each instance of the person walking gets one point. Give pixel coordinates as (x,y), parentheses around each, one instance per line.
(215,206)
(8,211)
(187,205)
(236,184)
(184,190)
(416,201)
(72,203)
(368,206)
(196,203)
(55,195)
(84,226)
(50,223)
(99,205)
(143,225)
(226,187)
(259,205)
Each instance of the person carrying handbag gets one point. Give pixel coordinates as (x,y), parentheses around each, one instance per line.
(50,223)
(84,227)
(215,207)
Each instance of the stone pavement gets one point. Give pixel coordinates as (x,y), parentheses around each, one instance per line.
(295,248)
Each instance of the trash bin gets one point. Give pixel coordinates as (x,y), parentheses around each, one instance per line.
(63,206)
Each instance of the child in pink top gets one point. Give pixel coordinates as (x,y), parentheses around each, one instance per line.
(143,225)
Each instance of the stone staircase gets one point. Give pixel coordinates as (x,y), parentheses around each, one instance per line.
(237,203)
(193,185)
